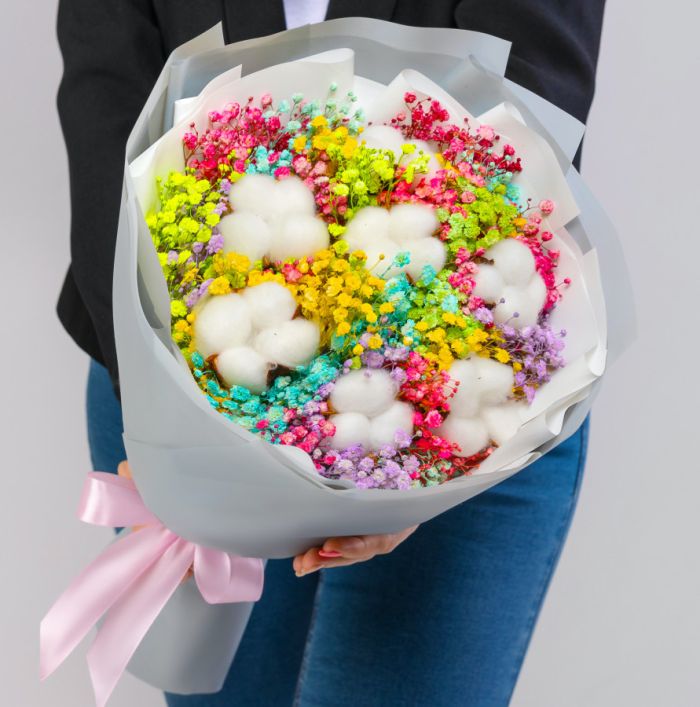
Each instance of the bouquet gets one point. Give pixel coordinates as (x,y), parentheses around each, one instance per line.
(343,304)
(349,289)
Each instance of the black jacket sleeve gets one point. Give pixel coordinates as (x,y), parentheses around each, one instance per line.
(112,53)
(555,45)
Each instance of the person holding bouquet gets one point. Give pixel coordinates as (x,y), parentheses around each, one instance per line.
(436,615)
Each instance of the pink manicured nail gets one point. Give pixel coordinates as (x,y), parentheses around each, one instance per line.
(330,553)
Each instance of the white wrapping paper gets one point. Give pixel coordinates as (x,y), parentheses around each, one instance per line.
(214,483)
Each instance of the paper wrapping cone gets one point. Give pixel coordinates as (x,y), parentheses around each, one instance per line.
(216,484)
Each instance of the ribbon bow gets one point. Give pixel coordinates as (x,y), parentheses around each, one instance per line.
(130,582)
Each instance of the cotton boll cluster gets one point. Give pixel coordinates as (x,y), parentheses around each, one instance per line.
(243,365)
(222,323)
(367,410)
(273,219)
(384,137)
(252,332)
(514,279)
(291,344)
(404,228)
(480,411)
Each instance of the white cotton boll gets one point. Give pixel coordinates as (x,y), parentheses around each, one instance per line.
(502,421)
(369,224)
(270,304)
(470,434)
(514,260)
(221,323)
(253,192)
(382,265)
(465,402)
(383,427)
(244,366)
(246,233)
(299,236)
(530,301)
(428,251)
(488,283)
(529,312)
(495,381)
(520,301)
(292,196)
(408,222)
(466,405)
(515,300)
(537,291)
(423,145)
(291,344)
(350,428)
(384,137)
(369,391)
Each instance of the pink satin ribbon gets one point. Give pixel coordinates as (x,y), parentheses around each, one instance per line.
(130,583)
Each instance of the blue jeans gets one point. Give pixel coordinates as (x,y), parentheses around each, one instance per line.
(442,621)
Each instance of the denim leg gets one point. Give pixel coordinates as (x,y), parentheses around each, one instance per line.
(446,618)
(104,421)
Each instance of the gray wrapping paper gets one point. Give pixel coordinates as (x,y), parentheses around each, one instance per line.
(214,483)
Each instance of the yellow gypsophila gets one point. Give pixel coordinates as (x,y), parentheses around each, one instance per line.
(335,290)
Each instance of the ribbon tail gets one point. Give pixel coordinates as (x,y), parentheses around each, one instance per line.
(112,500)
(131,616)
(223,578)
(94,591)
(248,573)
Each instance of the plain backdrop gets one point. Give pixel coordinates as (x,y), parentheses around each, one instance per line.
(621,624)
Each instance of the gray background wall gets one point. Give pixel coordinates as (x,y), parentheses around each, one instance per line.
(621,624)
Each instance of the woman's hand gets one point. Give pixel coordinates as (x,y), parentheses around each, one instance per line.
(337,552)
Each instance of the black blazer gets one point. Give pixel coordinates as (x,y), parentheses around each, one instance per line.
(113,51)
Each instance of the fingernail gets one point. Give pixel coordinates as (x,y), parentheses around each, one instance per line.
(330,553)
